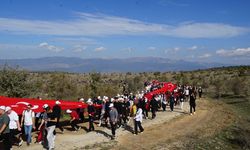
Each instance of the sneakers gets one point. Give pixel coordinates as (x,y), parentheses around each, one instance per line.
(20,143)
(79,128)
(194,113)
(191,114)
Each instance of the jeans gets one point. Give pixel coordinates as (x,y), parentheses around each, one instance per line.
(27,130)
(51,136)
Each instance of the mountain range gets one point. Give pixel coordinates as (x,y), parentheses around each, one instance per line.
(79,65)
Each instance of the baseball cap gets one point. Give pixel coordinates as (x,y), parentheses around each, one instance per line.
(7,108)
(68,111)
(3,107)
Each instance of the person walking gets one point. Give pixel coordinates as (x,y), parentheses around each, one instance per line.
(164,102)
(172,102)
(200,92)
(80,111)
(14,126)
(4,128)
(181,100)
(138,121)
(113,118)
(41,138)
(153,106)
(74,119)
(28,121)
(91,112)
(192,103)
(57,111)
(50,128)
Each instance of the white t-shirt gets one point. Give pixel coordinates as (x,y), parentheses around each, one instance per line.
(186,92)
(28,116)
(13,118)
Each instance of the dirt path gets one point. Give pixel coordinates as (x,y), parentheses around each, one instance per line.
(174,134)
(168,130)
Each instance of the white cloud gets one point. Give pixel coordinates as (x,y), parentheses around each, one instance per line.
(234,53)
(152,48)
(99,49)
(79,48)
(176,49)
(103,25)
(172,50)
(52,48)
(193,48)
(207,55)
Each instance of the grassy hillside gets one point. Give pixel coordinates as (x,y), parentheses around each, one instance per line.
(217,82)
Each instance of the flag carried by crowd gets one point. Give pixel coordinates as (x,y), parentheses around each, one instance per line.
(26,114)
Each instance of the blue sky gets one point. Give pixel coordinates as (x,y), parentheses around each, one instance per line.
(193,30)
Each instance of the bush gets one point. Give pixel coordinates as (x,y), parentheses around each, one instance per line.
(13,82)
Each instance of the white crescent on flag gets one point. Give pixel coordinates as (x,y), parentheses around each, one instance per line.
(25,103)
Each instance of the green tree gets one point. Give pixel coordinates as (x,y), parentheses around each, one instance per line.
(13,82)
(95,80)
(61,87)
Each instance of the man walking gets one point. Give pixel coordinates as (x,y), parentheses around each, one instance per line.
(153,106)
(91,112)
(28,121)
(74,119)
(57,111)
(138,120)
(113,118)
(4,128)
(15,128)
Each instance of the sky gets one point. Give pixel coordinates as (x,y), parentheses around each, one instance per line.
(192,30)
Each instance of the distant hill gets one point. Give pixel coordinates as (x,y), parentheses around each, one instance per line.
(78,65)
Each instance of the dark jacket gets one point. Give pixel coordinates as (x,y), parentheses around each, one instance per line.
(153,104)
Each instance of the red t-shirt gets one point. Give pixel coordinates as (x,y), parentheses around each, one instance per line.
(74,114)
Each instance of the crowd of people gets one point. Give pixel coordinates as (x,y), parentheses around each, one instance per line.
(113,113)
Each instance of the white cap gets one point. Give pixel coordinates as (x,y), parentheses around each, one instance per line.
(99,97)
(7,108)
(89,100)
(3,107)
(68,111)
(81,99)
(45,106)
(57,102)
(111,105)
(121,99)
